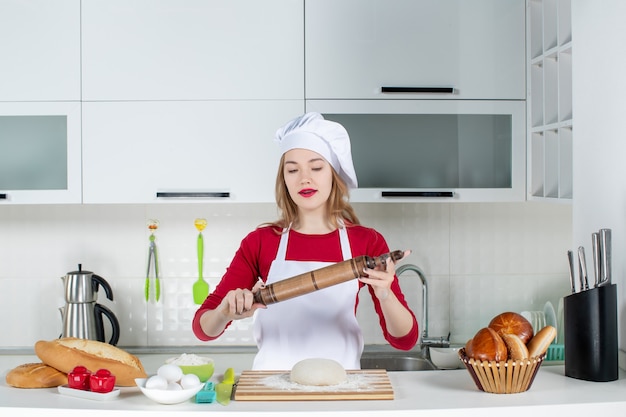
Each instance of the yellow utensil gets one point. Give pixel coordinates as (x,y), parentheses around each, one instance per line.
(224,389)
(200,287)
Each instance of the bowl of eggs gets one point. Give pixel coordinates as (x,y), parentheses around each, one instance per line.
(170,385)
(201,366)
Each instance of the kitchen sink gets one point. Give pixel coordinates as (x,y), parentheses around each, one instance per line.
(396,362)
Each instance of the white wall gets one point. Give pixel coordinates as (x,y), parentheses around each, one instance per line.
(480,259)
(599,98)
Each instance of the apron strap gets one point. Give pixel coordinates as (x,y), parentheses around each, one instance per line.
(345,243)
(281,253)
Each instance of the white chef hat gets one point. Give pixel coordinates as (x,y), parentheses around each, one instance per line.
(329,139)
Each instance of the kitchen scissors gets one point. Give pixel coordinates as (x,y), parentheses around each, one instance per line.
(153,260)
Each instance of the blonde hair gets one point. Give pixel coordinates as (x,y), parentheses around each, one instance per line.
(337,207)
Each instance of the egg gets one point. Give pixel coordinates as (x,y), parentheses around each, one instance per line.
(156,382)
(171,373)
(174,386)
(189,381)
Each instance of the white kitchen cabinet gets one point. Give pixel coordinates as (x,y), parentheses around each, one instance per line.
(40,50)
(182,151)
(434,150)
(192,50)
(475,48)
(40,145)
(550,118)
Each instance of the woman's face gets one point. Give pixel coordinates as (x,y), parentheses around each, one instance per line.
(308,177)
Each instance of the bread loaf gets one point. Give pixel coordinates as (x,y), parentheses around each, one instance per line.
(515,347)
(512,323)
(35,375)
(539,344)
(66,353)
(487,345)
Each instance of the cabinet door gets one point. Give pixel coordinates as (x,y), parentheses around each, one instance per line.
(40,153)
(433,150)
(40,50)
(183,151)
(192,50)
(354,48)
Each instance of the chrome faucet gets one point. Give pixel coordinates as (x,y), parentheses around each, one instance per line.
(426,341)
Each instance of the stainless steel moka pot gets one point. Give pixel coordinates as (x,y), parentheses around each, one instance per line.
(82,316)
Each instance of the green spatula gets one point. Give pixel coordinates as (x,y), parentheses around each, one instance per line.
(200,287)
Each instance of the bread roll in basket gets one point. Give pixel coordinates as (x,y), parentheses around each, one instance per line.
(502,377)
(501,363)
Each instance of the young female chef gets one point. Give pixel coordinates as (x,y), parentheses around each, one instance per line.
(318,227)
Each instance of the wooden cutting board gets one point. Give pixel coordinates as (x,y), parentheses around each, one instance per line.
(370,384)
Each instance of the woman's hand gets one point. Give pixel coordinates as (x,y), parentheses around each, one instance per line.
(239,304)
(399,319)
(381,280)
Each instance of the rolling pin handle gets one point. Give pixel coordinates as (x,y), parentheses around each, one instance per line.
(257,298)
(382,259)
(262,296)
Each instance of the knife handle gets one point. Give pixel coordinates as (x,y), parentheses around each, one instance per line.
(572,272)
(597,263)
(605,253)
(582,269)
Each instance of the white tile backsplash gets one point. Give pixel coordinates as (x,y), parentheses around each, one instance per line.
(479,260)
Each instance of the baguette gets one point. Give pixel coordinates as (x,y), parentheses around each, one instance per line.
(66,353)
(35,375)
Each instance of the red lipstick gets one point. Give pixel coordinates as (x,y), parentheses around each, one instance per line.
(307,192)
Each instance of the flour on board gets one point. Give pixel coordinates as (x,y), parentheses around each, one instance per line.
(354,382)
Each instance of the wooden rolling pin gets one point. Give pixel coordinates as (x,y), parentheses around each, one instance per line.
(322,278)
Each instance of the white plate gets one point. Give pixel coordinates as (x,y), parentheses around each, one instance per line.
(560,335)
(548,311)
(540,319)
(90,395)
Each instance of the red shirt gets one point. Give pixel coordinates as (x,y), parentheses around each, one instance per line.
(258,249)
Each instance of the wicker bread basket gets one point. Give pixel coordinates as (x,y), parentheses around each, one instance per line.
(504,377)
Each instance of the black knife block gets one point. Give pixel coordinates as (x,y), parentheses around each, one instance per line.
(591,349)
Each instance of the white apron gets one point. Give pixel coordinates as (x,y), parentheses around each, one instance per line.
(321,324)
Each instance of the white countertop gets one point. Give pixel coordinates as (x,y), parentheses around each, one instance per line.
(431,393)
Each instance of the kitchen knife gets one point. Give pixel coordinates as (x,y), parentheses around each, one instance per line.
(605,256)
(582,269)
(597,265)
(572,273)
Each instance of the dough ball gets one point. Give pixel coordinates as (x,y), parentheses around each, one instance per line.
(318,371)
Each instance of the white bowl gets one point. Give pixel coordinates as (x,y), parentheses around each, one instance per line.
(446,358)
(167,396)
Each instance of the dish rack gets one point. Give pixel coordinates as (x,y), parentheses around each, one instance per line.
(555,353)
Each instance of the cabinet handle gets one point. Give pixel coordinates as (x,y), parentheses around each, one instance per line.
(444,90)
(193,194)
(417,194)
(3,197)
